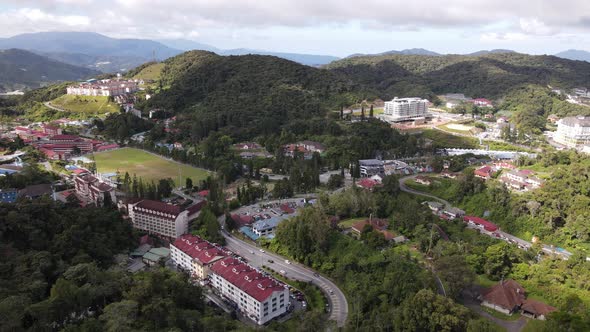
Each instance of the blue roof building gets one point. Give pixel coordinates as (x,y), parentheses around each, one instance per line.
(266,226)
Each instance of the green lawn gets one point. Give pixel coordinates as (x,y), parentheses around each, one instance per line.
(151,72)
(85,104)
(347,223)
(445,140)
(146,165)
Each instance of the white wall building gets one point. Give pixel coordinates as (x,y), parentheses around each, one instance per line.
(573,131)
(162,219)
(195,255)
(103,88)
(256,296)
(402,109)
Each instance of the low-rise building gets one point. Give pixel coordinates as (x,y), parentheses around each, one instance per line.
(36,191)
(480,223)
(370,167)
(423,180)
(266,227)
(523,180)
(105,88)
(91,190)
(506,297)
(258,297)
(484,172)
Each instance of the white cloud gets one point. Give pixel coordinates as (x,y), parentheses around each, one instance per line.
(534,26)
(495,37)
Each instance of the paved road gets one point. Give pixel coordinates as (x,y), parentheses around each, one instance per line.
(403,187)
(48,104)
(338,303)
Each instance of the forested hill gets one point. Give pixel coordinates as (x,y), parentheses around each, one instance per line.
(20,69)
(490,75)
(250,94)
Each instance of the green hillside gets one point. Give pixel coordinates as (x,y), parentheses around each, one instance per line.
(490,75)
(21,69)
(96,105)
(150,72)
(247,95)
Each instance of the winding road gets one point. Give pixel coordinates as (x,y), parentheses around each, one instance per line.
(258,257)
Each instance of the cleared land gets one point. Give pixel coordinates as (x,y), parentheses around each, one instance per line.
(458,126)
(146,166)
(151,72)
(85,104)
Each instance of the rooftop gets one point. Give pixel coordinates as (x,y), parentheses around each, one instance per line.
(506,293)
(572,121)
(158,206)
(246,278)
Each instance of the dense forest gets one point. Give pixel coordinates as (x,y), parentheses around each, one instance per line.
(490,75)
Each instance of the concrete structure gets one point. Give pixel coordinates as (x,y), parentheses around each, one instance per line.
(104,88)
(370,167)
(91,190)
(258,297)
(266,226)
(166,220)
(404,109)
(195,255)
(573,131)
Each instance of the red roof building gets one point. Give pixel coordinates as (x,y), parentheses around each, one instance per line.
(242,219)
(484,172)
(482,102)
(195,255)
(481,223)
(367,183)
(259,297)
(507,296)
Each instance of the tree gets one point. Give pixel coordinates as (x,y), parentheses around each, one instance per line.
(455,273)
(427,311)
(335,181)
(189,183)
(371,111)
(120,316)
(165,187)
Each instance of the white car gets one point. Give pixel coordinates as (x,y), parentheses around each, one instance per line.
(287,261)
(262,251)
(282,272)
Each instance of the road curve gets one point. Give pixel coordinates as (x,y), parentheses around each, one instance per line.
(48,104)
(257,258)
(403,187)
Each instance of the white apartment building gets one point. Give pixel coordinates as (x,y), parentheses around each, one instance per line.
(573,131)
(259,297)
(195,255)
(103,88)
(162,219)
(402,109)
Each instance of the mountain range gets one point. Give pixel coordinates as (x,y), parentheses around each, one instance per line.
(20,69)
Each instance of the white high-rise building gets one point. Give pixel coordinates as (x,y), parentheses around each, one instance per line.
(402,109)
(573,131)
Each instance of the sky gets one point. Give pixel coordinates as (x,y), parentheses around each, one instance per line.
(334,27)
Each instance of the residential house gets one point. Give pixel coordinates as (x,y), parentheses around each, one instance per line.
(423,180)
(35,191)
(484,172)
(453,212)
(506,297)
(370,167)
(482,102)
(367,183)
(435,206)
(266,227)
(536,309)
(379,225)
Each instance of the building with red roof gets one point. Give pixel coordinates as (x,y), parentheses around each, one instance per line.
(481,223)
(506,296)
(159,218)
(195,255)
(482,102)
(51,130)
(257,296)
(367,183)
(242,219)
(484,172)
(91,190)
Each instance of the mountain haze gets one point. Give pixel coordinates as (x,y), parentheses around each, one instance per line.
(20,69)
(575,55)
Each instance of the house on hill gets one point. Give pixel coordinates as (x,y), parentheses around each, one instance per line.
(506,297)
(423,180)
(484,172)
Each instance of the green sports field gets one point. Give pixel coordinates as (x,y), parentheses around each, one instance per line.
(145,165)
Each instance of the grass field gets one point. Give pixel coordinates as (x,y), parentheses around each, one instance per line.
(151,72)
(146,165)
(85,104)
(445,140)
(347,223)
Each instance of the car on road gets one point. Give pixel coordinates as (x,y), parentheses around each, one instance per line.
(282,272)
(331,291)
(262,251)
(252,252)
(315,274)
(287,261)
(271,261)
